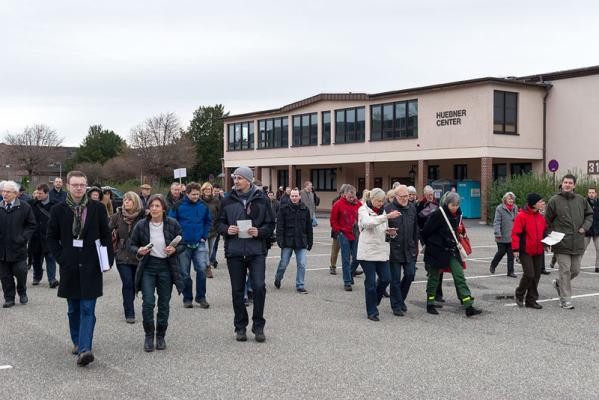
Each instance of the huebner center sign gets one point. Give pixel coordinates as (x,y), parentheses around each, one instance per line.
(453,117)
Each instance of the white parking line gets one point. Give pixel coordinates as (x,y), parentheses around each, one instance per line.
(557,298)
(5,366)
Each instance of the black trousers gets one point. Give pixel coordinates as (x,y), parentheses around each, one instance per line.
(8,272)
(238,267)
(531,265)
(503,249)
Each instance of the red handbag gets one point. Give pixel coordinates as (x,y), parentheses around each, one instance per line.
(464,239)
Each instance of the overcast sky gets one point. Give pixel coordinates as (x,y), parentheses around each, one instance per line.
(71,64)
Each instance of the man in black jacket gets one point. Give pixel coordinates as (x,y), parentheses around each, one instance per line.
(403,248)
(38,248)
(17,224)
(593,233)
(74,228)
(246,223)
(294,234)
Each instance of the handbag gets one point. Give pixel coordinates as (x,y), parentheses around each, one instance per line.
(463,252)
(463,238)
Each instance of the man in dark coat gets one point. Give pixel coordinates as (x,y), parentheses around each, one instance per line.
(246,248)
(592,234)
(57,194)
(294,234)
(74,230)
(38,248)
(17,224)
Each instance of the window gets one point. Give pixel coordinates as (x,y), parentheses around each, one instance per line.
(298,179)
(283,177)
(499,172)
(324,179)
(305,130)
(326,127)
(505,112)
(394,120)
(350,125)
(240,136)
(433,172)
(520,168)
(460,172)
(273,133)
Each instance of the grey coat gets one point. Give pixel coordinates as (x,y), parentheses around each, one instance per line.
(503,223)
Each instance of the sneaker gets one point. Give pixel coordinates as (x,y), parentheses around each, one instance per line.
(512,275)
(398,312)
(302,290)
(23,299)
(431,309)
(534,305)
(35,282)
(240,335)
(374,318)
(259,334)
(54,284)
(130,320)
(85,358)
(403,307)
(333,270)
(277,283)
(556,286)
(203,303)
(567,305)
(347,288)
(472,311)
(187,304)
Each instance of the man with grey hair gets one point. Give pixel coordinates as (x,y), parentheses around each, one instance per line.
(309,199)
(412,194)
(17,224)
(174,195)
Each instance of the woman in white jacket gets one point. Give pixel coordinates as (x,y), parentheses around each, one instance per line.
(373,249)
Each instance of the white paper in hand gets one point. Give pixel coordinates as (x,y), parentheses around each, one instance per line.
(244,226)
(553,238)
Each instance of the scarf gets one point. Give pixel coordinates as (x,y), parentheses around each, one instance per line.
(129,217)
(77,209)
(510,207)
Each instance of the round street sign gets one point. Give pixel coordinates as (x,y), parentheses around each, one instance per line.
(553,165)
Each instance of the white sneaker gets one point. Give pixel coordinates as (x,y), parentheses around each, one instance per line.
(567,305)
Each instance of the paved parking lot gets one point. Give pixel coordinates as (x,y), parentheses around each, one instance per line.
(319,345)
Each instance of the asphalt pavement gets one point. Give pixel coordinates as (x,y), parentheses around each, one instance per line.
(319,345)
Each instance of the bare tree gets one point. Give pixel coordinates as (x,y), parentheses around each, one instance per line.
(162,145)
(34,148)
(92,170)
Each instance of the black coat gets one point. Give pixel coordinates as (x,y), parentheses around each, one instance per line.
(16,228)
(80,275)
(594,230)
(258,210)
(440,245)
(404,246)
(294,227)
(41,211)
(141,237)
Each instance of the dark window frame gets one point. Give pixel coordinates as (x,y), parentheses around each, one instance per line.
(233,144)
(297,140)
(432,172)
(358,134)
(500,112)
(324,179)
(393,132)
(269,141)
(458,176)
(524,168)
(325,128)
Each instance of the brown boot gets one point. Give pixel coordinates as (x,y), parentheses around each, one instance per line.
(209,272)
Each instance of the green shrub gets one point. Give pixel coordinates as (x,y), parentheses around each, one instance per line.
(543,184)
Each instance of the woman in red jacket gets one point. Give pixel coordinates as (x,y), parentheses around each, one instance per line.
(527,233)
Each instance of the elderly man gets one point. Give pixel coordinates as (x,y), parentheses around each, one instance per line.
(57,194)
(310,199)
(145,191)
(17,224)
(174,195)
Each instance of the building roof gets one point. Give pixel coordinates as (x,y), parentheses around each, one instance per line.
(565,74)
(376,96)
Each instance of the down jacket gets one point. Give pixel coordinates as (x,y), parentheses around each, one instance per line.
(529,229)
(372,245)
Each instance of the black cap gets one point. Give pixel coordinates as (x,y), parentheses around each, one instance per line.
(532,199)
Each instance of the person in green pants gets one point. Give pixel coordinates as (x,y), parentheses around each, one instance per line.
(441,252)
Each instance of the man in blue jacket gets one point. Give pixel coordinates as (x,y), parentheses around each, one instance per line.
(194,217)
(246,223)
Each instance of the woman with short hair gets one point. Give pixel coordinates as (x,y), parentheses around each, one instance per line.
(505,213)
(442,251)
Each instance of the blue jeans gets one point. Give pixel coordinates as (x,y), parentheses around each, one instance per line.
(400,287)
(349,249)
(213,248)
(38,271)
(199,256)
(127,273)
(300,258)
(374,290)
(82,320)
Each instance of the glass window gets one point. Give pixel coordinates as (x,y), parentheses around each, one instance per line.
(387,121)
(397,120)
(297,131)
(240,136)
(376,123)
(305,130)
(340,126)
(326,127)
(272,133)
(324,179)
(460,172)
(505,112)
(350,125)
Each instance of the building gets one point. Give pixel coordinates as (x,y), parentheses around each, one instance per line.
(480,129)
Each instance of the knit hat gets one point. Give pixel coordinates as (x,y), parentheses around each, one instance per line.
(532,199)
(245,172)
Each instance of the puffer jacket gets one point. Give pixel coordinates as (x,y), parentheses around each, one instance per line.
(594,229)
(503,223)
(528,231)
(568,212)
(141,237)
(372,245)
(257,209)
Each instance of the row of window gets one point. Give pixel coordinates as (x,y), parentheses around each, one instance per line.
(389,121)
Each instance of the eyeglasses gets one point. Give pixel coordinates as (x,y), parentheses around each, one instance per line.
(404,196)
(78,185)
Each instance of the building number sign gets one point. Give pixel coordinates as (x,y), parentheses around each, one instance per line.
(593,167)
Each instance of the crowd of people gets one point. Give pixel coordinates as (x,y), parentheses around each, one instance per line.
(154,239)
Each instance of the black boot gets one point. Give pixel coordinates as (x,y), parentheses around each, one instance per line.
(431,309)
(160,332)
(149,330)
(471,311)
